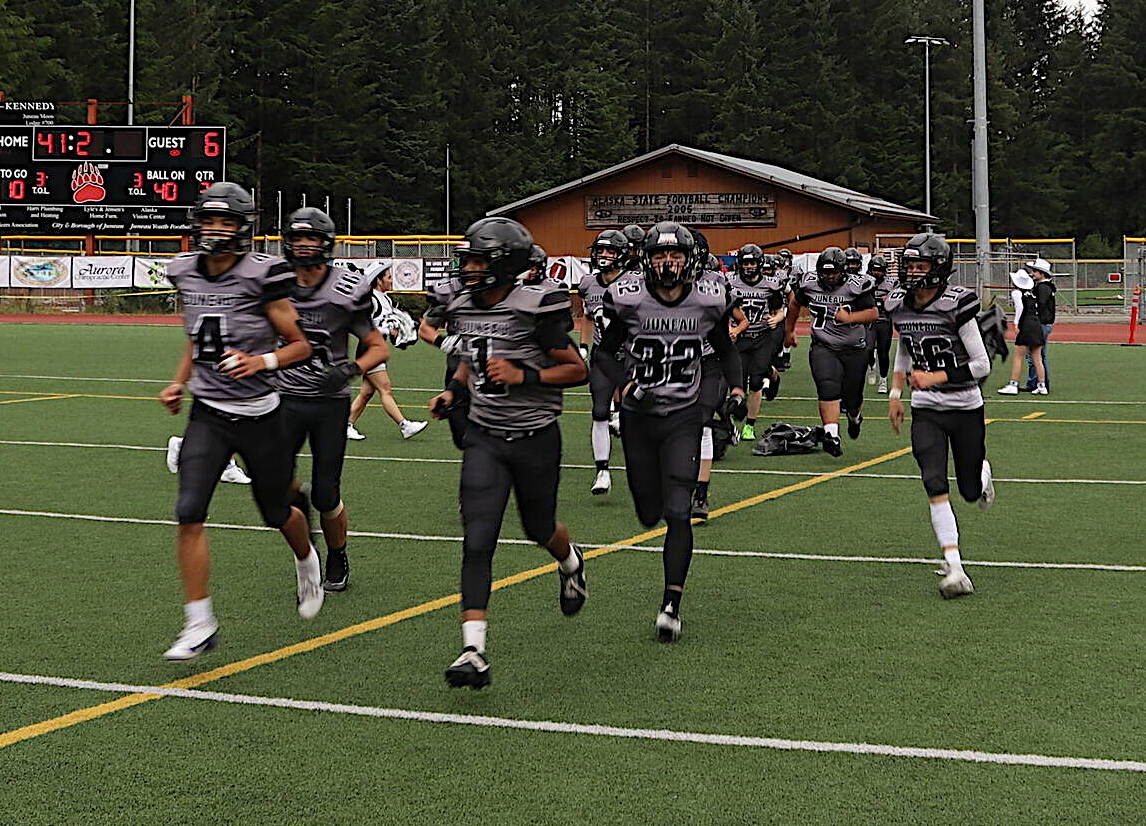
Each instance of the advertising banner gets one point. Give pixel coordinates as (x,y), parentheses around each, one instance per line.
(407,274)
(5,263)
(102,271)
(568,270)
(41,272)
(150,273)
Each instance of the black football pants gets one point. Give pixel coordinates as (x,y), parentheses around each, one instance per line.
(880,346)
(601,389)
(491,466)
(323,422)
(661,462)
(756,355)
(210,440)
(459,416)
(966,432)
(838,374)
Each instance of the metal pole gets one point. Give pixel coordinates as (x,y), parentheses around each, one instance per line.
(980,182)
(447,189)
(326,205)
(131,63)
(279,211)
(349,210)
(927,127)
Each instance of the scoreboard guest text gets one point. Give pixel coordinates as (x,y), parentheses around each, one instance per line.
(109,166)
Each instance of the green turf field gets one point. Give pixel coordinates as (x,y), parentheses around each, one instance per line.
(795,661)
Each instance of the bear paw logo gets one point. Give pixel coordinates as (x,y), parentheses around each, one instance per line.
(87,183)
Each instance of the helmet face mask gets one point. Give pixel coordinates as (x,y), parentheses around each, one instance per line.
(609,250)
(749,259)
(494,252)
(877,267)
(930,248)
(853,261)
(308,240)
(223,200)
(830,268)
(636,242)
(670,256)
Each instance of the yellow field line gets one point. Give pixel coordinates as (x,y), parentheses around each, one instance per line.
(44,398)
(127,701)
(1036,415)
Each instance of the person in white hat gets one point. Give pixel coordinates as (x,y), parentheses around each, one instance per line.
(1040,270)
(1030,334)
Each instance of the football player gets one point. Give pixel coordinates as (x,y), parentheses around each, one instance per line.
(880,346)
(236,305)
(661,321)
(760,294)
(941,354)
(516,358)
(787,271)
(331,303)
(853,262)
(394,324)
(636,237)
(840,307)
(537,264)
(606,257)
(435,328)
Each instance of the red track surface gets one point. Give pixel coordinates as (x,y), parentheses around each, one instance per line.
(1101,333)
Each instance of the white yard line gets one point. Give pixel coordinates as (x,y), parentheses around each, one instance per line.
(734,471)
(619,732)
(415,537)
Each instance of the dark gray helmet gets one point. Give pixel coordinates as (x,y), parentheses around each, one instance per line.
(313,222)
(665,236)
(830,268)
(853,261)
(504,243)
(768,264)
(636,237)
(713,264)
(232,201)
(610,239)
(926,246)
(877,266)
(749,253)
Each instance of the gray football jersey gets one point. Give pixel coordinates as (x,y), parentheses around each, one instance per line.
(856,293)
(758,301)
(592,292)
(664,342)
(327,312)
(931,336)
(438,298)
(883,287)
(228,312)
(508,330)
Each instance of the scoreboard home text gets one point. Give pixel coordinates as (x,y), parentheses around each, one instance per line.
(66,180)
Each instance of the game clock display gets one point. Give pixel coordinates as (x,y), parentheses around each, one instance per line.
(109,166)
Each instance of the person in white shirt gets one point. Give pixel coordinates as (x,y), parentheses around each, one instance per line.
(1030,337)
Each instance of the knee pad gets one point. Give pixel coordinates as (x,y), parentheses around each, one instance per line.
(278,517)
(539,533)
(190,513)
(936,485)
(326,496)
(334,512)
(755,383)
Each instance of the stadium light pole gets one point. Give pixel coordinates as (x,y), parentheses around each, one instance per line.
(447,189)
(927,42)
(980,187)
(131,63)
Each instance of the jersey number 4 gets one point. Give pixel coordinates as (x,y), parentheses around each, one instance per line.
(660,362)
(209,337)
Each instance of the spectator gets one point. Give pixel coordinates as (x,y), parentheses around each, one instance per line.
(1040,271)
(1030,334)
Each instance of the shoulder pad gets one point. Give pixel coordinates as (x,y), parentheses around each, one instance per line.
(894,299)
(182,264)
(540,298)
(954,296)
(862,283)
(585,283)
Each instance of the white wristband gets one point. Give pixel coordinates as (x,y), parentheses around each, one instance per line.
(895,393)
(270,361)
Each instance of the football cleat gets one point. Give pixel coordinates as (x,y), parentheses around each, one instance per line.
(735,435)
(883,385)
(832,445)
(173,446)
(234,474)
(987,497)
(748,433)
(412,429)
(667,625)
(602,484)
(310,596)
(784,361)
(615,424)
(193,641)
(854,426)
(956,583)
(469,669)
(352,433)
(337,572)
(573,589)
(1011,389)
(699,505)
(772,388)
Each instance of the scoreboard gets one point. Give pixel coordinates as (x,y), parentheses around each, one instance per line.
(71,180)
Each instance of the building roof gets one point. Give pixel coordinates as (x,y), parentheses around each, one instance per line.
(769,173)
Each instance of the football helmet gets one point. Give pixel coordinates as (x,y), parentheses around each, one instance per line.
(877,267)
(611,239)
(313,222)
(229,200)
(636,237)
(749,254)
(503,243)
(668,236)
(853,261)
(926,246)
(713,264)
(830,268)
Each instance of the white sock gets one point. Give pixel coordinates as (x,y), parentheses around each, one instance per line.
(706,444)
(832,429)
(601,445)
(785,350)
(199,612)
(953,560)
(1015,383)
(943,521)
(473,635)
(569,564)
(309,568)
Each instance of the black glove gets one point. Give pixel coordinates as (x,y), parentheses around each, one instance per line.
(736,407)
(335,376)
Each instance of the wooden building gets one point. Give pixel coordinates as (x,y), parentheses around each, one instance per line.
(734,201)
